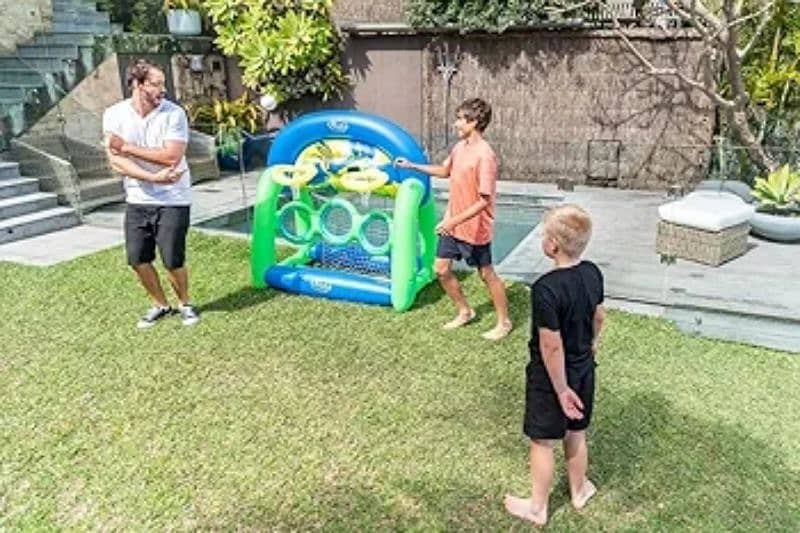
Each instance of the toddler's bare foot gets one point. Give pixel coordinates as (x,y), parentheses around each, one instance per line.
(582,497)
(461,319)
(523,508)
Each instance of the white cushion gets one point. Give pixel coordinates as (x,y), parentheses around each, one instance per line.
(707,210)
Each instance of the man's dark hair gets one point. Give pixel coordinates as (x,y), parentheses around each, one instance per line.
(476,110)
(139,70)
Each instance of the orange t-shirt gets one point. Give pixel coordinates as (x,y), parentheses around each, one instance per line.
(473,172)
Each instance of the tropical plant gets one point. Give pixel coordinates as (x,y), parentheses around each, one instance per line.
(287,48)
(779,192)
(493,15)
(139,16)
(227,119)
(771,73)
(194,5)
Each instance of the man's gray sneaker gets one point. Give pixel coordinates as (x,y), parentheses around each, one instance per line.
(189,315)
(153,315)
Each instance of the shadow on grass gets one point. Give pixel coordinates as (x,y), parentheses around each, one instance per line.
(433,291)
(476,291)
(243,298)
(659,468)
(676,470)
(518,298)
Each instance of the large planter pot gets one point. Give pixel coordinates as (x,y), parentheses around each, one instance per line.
(776,227)
(184,22)
(254,152)
(739,188)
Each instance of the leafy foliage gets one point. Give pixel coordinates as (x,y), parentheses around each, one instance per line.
(227,119)
(195,5)
(779,192)
(490,15)
(771,72)
(139,16)
(288,48)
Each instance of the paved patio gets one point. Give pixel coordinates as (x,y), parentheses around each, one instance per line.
(753,298)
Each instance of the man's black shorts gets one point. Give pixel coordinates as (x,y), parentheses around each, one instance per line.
(544,418)
(476,255)
(148,226)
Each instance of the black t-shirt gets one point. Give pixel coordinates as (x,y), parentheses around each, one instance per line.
(565,300)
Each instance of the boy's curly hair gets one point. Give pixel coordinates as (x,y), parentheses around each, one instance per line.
(477,110)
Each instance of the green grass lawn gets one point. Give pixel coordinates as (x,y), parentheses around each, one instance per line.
(281,412)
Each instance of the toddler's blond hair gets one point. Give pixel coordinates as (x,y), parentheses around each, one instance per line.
(570,226)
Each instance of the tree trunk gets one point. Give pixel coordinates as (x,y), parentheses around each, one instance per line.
(740,125)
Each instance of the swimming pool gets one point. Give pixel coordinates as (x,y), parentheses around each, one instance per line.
(515,217)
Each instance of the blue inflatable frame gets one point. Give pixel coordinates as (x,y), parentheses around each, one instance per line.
(414,215)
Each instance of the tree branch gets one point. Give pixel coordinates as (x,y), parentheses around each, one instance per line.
(766,16)
(701,11)
(688,17)
(572,8)
(658,72)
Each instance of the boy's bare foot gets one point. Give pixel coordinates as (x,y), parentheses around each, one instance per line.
(500,331)
(462,319)
(522,508)
(583,496)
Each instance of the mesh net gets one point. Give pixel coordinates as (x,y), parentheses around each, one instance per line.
(338,222)
(375,231)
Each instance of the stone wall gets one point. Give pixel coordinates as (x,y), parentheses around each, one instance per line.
(369,11)
(82,109)
(20,19)
(576,105)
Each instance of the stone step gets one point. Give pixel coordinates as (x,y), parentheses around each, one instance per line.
(88,206)
(84,17)
(24,88)
(21,77)
(37,223)
(99,188)
(27,203)
(76,13)
(72,4)
(12,93)
(71,27)
(49,64)
(18,187)
(9,170)
(48,50)
(77,39)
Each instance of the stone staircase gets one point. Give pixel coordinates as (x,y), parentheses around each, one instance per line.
(41,71)
(25,211)
(33,80)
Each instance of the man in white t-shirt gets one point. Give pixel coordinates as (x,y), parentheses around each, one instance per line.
(146,137)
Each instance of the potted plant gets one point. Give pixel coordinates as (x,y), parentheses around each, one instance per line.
(183,16)
(778,214)
(239,128)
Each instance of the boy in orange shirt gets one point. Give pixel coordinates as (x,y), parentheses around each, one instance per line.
(466,230)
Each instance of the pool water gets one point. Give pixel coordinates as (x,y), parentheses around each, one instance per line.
(515,217)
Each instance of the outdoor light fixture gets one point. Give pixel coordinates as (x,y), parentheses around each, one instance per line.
(196,63)
(268,102)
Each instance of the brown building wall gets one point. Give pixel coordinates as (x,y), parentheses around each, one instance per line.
(387,78)
(576,105)
(572,105)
